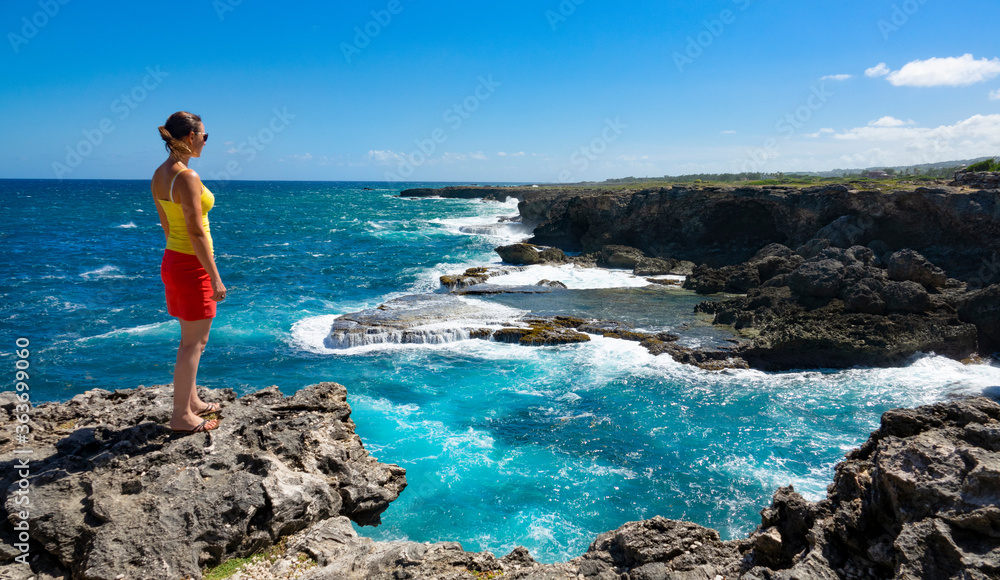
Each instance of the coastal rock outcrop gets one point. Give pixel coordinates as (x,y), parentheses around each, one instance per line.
(977,179)
(474,276)
(910,265)
(114,494)
(917,500)
(529,255)
(441,318)
(874,277)
(838,308)
(953,228)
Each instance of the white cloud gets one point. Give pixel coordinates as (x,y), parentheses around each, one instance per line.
(879,70)
(888,121)
(729,132)
(478,155)
(518,154)
(823,131)
(995,95)
(386,156)
(835,77)
(633,158)
(942,72)
(974,137)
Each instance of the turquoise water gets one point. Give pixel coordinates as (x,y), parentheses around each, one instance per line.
(503,445)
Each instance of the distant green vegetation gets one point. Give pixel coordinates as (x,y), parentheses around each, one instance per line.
(904,177)
(913,175)
(988,165)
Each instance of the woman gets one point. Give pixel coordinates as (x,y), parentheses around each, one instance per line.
(192,281)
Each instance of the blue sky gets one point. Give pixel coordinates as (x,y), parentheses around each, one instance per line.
(557,90)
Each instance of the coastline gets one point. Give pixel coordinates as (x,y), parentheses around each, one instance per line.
(618,255)
(916,500)
(830,276)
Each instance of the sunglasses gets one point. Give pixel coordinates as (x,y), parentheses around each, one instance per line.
(205,136)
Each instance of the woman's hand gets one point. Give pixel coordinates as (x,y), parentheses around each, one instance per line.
(218,290)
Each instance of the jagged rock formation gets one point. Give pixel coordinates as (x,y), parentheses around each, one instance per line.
(113,494)
(977,179)
(443,318)
(719,226)
(529,255)
(475,276)
(838,308)
(874,278)
(919,500)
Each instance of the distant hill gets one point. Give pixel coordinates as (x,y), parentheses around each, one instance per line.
(942,169)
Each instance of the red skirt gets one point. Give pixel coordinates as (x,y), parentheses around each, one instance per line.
(188,286)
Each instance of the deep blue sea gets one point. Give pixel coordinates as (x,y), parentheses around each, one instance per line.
(503,445)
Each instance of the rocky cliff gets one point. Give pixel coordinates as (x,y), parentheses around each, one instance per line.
(112,494)
(919,500)
(832,276)
(957,229)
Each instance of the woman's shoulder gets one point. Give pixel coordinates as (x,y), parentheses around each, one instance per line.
(189,177)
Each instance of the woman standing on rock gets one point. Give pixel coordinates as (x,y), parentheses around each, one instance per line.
(190,277)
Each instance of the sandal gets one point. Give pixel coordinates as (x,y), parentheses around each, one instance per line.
(201,428)
(209,409)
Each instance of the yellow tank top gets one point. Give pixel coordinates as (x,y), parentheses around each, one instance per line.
(178,240)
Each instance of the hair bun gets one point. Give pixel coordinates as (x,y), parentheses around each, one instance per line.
(181,124)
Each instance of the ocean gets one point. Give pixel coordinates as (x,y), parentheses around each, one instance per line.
(504,445)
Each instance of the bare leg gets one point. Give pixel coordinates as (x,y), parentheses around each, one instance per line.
(194,337)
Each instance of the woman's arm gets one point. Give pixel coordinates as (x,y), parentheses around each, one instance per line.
(163,215)
(188,190)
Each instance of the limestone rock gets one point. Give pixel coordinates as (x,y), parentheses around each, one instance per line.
(736,279)
(977,179)
(818,279)
(865,296)
(114,494)
(910,265)
(982,308)
(905,297)
(613,256)
(529,255)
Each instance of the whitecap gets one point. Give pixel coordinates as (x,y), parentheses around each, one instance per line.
(574,277)
(135,330)
(103,273)
(128,225)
